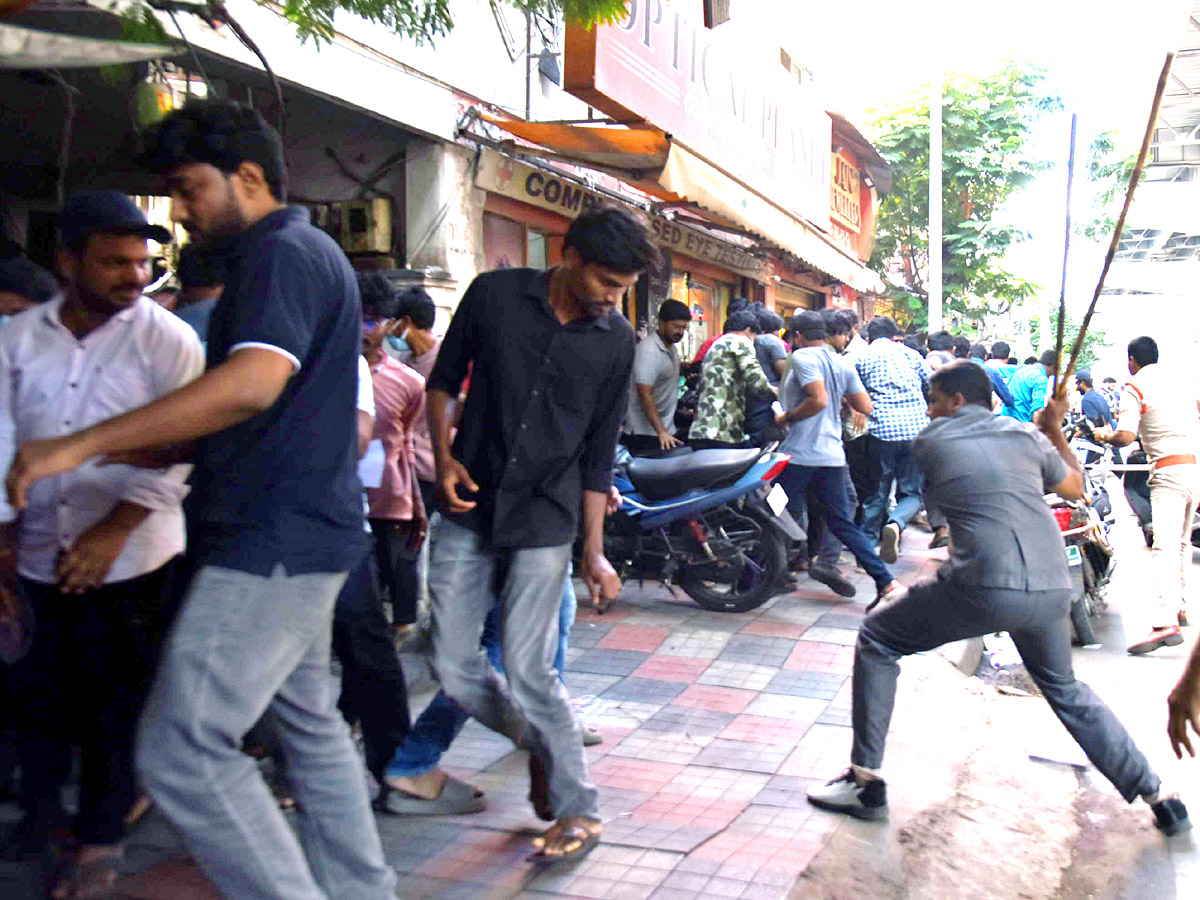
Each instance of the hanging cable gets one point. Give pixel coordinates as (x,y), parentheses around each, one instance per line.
(195,57)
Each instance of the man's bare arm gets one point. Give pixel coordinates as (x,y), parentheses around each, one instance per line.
(450,472)
(1049,420)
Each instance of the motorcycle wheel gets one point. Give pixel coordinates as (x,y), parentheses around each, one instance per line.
(749,590)
(1081,622)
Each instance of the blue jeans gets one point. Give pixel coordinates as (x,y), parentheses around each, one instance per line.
(437,727)
(532,709)
(827,544)
(897,466)
(245,644)
(824,490)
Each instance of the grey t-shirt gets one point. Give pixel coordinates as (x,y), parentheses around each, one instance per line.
(988,474)
(817,441)
(657,364)
(770,348)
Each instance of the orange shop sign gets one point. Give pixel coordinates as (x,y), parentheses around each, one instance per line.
(729,102)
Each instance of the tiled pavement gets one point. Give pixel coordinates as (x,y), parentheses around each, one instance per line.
(714,726)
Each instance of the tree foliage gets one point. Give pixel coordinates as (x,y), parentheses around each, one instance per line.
(1109,172)
(420,20)
(1094,342)
(986,123)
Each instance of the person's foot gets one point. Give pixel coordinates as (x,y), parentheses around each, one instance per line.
(1171,816)
(890,594)
(846,794)
(941,538)
(831,578)
(566,840)
(1168,636)
(591,737)
(889,543)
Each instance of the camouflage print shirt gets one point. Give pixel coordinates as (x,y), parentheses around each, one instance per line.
(731,368)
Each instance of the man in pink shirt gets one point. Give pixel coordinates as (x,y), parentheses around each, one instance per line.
(413,339)
(397,511)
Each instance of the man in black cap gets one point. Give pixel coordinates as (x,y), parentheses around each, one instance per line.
(94,548)
(650,418)
(817,381)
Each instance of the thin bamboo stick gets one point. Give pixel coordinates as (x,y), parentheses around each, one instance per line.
(1062,293)
(1147,139)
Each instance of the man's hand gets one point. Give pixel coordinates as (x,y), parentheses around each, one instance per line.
(1102,433)
(614,501)
(1053,413)
(858,420)
(452,473)
(86,564)
(666,440)
(601,580)
(1183,709)
(36,460)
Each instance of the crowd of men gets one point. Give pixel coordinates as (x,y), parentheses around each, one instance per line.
(203,506)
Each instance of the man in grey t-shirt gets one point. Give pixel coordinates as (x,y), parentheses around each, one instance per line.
(814,387)
(1007,572)
(654,392)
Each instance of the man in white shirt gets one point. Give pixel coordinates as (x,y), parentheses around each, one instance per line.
(94,549)
(1161,408)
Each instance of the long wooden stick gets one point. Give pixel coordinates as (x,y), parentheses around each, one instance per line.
(1062,294)
(1147,139)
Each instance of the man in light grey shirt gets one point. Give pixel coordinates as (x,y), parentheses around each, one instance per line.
(1007,572)
(654,392)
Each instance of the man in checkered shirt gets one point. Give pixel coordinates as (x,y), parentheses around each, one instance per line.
(896,378)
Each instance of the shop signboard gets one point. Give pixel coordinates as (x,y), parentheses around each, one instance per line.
(727,101)
(512,178)
(845,198)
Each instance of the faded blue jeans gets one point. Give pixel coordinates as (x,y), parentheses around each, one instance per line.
(244,644)
(897,466)
(437,727)
(466,580)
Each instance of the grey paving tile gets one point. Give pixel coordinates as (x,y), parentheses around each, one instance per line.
(663,615)
(783,706)
(584,635)
(609,662)
(705,643)
(839,620)
(757,650)
(838,712)
(648,690)
(745,756)
(610,871)
(657,835)
(819,685)
(726,673)
(785,790)
(661,746)
(689,720)
(583,684)
(795,613)
(847,637)
(715,621)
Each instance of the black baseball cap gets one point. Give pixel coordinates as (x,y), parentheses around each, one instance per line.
(809,324)
(674,311)
(110,212)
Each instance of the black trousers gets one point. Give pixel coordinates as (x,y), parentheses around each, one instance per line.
(373,689)
(862,456)
(84,682)
(397,568)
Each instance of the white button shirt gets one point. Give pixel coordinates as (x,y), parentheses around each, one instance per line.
(51,385)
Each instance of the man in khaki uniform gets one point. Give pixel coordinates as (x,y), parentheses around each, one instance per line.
(1161,408)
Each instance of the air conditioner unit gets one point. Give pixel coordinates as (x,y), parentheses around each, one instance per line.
(366,225)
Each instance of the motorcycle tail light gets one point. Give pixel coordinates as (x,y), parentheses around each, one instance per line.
(1062,515)
(776,470)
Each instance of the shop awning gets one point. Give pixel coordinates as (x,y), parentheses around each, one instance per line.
(665,169)
(630,149)
(697,180)
(29,48)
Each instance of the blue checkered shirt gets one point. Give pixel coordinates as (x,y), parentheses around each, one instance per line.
(894,376)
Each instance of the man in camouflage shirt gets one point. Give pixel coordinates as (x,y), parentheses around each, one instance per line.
(731,368)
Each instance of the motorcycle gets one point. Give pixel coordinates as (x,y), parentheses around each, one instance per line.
(712,519)
(1136,483)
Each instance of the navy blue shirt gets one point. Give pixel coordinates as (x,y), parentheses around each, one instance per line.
(282,487)
(1096,408)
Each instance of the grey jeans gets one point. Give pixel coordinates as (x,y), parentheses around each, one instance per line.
(938,612)
(244,644)
(532,709)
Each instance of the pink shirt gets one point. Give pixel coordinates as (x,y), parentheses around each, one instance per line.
(399,407)
(422,441)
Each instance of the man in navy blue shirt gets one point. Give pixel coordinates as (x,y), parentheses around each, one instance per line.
(275,523)
(1094,404)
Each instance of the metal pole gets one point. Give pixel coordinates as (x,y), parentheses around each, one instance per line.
(528,75)
(934,282)
(1062,294)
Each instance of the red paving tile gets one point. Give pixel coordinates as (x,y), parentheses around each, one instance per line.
(719,699)
(814,656)
(633,774)
(682,810)
(586,613)
(645,638)
(788,854)
(765,730)
(774,629)
(685,669)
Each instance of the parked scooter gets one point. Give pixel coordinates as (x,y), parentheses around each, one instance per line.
(713,520)
(1137,493)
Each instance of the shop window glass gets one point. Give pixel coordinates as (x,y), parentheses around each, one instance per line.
(535,250)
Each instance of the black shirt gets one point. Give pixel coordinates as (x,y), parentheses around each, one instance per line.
(282,487)
(544,407)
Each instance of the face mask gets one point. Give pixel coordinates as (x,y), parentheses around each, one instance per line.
(398,342)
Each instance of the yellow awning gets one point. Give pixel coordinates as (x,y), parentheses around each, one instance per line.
(628,149)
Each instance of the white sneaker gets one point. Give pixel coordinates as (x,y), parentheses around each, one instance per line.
(845,795)
(889,543)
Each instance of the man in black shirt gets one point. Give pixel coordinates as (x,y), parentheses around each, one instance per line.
(550,358)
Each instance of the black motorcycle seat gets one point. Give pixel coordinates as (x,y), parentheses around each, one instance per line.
(661,479)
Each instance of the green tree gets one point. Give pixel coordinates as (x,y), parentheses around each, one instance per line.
(1109,172)
(1094,341)
(420,20)
(986,124)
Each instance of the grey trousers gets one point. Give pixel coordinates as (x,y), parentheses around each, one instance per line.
(938,612)
(532,708)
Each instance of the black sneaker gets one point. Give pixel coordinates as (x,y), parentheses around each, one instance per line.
(1171,816)
(831,578)
(845,795)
